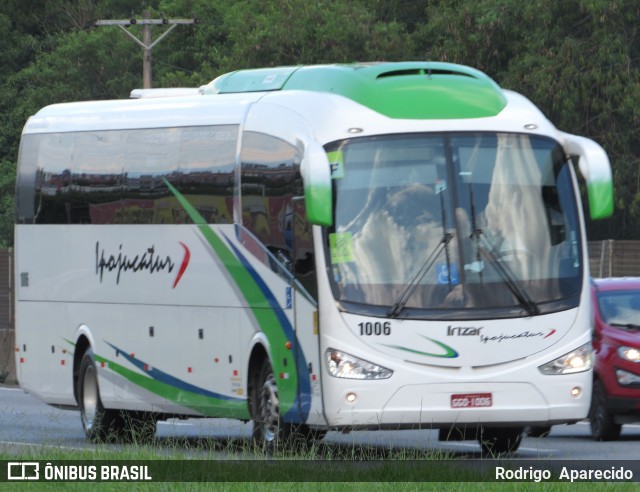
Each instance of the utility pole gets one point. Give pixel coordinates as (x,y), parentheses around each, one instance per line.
(146,43)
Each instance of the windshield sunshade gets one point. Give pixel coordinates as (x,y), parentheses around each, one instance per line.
(428,224)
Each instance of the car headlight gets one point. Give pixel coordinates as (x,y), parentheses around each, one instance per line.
(578,360)
(347,366)
(629,353)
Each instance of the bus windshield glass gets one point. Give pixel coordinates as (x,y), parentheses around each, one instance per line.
(454,226)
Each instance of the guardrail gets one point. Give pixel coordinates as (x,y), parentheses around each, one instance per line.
(614,258)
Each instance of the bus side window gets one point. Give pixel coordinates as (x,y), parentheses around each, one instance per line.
(555,218)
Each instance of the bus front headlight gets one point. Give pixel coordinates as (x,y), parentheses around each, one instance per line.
(347,366)
(578,360)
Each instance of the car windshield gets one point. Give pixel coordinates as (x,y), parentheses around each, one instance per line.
(620,307)
(427,224)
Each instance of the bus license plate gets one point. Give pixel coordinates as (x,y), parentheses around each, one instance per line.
(471,400)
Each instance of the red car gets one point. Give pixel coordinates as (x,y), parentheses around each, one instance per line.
(616,343)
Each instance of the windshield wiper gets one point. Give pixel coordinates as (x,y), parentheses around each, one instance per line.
(630,326)
(504,271)
(507,275)
(410,288)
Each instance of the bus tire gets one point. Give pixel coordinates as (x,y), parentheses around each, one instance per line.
(100,424)
(268,429)
(603,427)
(500,440)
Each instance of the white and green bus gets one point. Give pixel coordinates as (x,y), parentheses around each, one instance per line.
(365,246)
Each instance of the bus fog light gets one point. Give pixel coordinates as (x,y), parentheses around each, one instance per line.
(578,360)
(576,391)
(342,365)
(351,397)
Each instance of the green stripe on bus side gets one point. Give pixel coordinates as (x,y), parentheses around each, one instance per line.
(266,318)
(205,405)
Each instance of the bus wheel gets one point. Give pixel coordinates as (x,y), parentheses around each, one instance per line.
(603,427)
(268,428)
(100,424)
(499,440)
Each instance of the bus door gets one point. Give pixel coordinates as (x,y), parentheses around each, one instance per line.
(304,299)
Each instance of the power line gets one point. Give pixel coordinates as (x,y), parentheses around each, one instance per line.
(146,43)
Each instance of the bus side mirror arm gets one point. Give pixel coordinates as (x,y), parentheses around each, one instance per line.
(595,168)
(316,176)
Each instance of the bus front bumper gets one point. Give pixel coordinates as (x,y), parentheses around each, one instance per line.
(559,400)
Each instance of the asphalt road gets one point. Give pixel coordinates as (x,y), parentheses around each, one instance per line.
(27,424)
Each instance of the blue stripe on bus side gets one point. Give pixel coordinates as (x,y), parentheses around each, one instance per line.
(166,378)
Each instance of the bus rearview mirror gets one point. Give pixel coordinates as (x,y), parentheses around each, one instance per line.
(596,170)
(316,176)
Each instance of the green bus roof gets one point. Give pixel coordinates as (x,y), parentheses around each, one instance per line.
(414,90)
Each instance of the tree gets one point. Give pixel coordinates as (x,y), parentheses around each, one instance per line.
(292,32)
(578,60)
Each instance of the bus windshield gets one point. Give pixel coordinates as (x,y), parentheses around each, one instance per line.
(428,224)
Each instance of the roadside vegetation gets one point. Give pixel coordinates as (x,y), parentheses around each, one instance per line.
(186,464)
